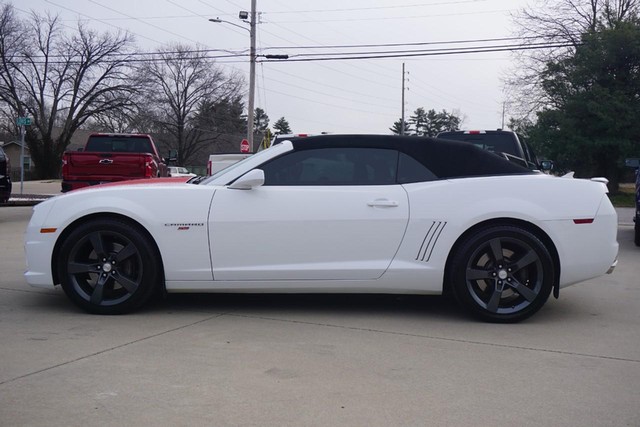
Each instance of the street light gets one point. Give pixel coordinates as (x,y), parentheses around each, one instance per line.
(252,66)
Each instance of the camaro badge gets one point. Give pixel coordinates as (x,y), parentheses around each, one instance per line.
(185,226)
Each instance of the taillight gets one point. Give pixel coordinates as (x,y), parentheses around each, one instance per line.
(148,167)
(65,167)
(209,168)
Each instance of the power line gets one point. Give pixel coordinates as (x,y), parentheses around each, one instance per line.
(460,51)
(415,51)
(399,6)
(390,18)
(470,41)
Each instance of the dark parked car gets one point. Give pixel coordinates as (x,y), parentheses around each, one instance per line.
(635,163)
(5,177)
(501,142)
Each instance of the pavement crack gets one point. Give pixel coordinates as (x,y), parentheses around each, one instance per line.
(97,353)
(31,291)
(433,337)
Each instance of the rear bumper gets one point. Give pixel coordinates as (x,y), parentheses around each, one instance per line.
(74,185)
(587,250)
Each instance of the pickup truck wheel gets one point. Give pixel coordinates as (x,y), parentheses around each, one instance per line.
(108,266)
(502,274)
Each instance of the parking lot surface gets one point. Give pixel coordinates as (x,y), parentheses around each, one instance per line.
(317,360)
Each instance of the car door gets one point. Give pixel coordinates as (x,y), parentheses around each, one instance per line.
(322,214)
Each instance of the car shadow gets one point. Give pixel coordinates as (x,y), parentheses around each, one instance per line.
(332,304)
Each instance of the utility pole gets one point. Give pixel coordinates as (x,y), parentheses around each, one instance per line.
(252,64)
(252,75)
(22,122)
(402,116)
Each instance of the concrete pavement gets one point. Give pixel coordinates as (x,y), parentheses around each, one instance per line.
(286,360)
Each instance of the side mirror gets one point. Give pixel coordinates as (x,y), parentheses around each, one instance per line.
(173,156)
(546,165)
(251,179)
(632,163)
(81,149)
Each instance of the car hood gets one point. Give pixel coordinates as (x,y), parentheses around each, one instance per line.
(152,181)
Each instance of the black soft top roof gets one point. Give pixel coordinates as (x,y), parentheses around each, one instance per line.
(446,159)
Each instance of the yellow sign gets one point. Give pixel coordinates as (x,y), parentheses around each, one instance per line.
(266,141)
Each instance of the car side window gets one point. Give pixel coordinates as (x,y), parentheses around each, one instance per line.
(410,170)
(333,166)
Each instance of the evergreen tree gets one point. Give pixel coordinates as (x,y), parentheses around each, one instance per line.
(260,121)
(397,127)
(593,120)
(281,126)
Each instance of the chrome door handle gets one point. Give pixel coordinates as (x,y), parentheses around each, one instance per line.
(383,203)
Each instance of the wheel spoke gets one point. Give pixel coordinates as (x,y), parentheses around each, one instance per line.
(127,252)
(526,259)
(98,291)
(128,284)
(96,242)
(496,250)
(476,274)
(494,301)
(526,292)
(80,267)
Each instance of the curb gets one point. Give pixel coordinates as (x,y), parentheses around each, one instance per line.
(27,200)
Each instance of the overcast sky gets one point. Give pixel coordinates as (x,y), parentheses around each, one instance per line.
(354,96)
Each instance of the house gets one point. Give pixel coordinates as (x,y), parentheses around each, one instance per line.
(13,149)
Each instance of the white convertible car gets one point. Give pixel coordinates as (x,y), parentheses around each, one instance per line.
(332,213)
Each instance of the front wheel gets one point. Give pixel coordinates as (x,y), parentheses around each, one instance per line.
(108,266)
(502,274)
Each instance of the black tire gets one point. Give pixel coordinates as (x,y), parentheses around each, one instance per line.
(502,274)
(107,266)
(637,229)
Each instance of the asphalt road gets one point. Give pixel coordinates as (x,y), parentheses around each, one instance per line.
(247,360)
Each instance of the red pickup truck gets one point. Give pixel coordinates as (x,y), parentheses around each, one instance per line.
(109,158)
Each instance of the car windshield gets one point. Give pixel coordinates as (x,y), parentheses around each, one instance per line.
(118,144)
(231,167)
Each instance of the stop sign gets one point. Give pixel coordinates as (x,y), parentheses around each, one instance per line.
(244,146)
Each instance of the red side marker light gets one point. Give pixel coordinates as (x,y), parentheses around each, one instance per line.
(48,230)
(583,221)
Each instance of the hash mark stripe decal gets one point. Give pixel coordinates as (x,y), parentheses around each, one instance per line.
(434,242)
(424,240)
(431,238)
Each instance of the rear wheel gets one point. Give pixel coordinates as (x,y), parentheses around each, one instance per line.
(502,274)
(637,228)
(108,266)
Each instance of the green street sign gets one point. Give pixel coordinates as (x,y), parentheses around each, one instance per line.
(23,121)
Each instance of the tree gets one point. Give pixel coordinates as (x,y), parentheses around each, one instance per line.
(281,126)
(260,121)
(419,121)
(561,23)
(399,129)
(60,80)
(430,123)
(181,82)
(593,116)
